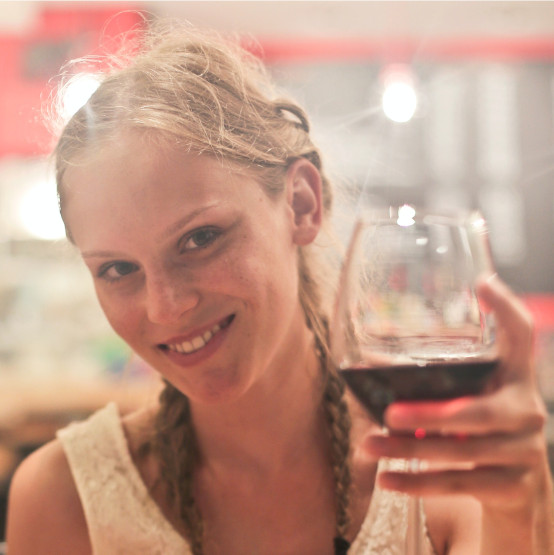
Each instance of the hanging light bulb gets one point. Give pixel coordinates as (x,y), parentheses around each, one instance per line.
(399,99)
(406,215)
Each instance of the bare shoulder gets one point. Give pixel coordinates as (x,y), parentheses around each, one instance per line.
(454,524)
(45,515)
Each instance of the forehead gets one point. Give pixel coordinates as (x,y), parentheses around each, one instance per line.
(141,182)
(143,158)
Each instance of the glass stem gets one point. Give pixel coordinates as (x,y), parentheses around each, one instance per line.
(413,535)
(414,524)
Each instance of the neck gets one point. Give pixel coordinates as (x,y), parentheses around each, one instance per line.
(276,423)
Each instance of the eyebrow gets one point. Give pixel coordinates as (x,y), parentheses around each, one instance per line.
(172,229)
(179,224)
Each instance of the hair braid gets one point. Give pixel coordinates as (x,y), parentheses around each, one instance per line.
(175,444)
(338,418)
(333,401)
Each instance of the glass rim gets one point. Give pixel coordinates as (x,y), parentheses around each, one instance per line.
(408,214)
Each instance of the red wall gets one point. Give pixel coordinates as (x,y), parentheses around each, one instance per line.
(27,64)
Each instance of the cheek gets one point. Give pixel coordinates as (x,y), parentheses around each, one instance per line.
(121,315)
(257,271)
(270,284)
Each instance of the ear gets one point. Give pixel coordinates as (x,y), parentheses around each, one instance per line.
(303,183)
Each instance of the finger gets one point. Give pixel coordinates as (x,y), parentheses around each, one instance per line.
(514,321)
(512,409)
(500,450)
(497,485)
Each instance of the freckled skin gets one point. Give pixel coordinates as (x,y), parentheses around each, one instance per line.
(126,203)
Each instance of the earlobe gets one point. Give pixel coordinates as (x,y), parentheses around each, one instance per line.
(304,197)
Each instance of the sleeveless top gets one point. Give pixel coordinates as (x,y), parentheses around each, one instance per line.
(123,518)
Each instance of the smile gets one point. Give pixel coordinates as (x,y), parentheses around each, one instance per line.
(200,341)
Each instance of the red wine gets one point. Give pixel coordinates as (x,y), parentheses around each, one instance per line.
(376,388)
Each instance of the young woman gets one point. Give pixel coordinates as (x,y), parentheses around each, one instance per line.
(198,201)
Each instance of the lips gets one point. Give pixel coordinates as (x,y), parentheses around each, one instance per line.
(194,344)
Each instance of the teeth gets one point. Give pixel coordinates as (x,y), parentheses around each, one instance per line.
(187,347)
(196,343)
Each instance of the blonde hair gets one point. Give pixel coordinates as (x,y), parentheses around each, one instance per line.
(208,95)
(202,92)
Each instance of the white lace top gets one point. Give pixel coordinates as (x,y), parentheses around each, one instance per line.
(123,519)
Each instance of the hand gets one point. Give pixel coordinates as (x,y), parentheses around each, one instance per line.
(491,446)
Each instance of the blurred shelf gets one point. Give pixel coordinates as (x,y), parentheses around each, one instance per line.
(31,412)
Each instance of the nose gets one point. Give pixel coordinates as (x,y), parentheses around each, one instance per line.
(168,297)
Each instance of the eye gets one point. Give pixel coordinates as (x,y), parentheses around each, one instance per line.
(199,238)
(114,271)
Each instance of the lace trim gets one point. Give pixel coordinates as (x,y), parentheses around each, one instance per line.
(121,515)
(385,527)
(124,519)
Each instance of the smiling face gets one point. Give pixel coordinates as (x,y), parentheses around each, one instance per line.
(194,265)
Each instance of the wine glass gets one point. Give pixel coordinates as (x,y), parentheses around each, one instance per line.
(408,324)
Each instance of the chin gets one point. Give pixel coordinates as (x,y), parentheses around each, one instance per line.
(216,388)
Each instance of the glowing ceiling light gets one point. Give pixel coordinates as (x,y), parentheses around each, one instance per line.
(39,214)
(399,100)
(406,215)
(77,92)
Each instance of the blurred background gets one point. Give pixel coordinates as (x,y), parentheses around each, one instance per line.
(441,104)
